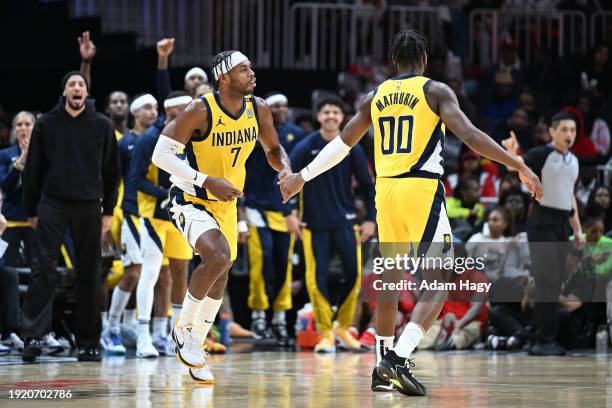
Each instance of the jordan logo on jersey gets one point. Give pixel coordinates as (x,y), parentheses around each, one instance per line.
(219,123)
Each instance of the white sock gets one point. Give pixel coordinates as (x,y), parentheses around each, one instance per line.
(206,316)
(258,314)
(129,317)
(383,344)
(279,317)
(119,300)
(149,273)
(190,308)
(143,326)
(104,317)
(160,326)
(176,312)
(410,338)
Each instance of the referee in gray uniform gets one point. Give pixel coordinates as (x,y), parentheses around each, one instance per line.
(549,223)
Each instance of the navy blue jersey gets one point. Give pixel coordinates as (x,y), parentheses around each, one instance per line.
(327,201)
(11,185)
(260,189)
(150,182)
(126,151)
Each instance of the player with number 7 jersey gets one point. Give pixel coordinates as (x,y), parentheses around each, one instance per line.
(205,151)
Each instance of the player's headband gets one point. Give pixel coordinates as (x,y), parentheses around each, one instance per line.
(228,63)
(177,101)
(142,101)
(277,98)
(196,71)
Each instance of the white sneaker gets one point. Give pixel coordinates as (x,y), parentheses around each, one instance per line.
(145,347)
(4,350)
(202,375)
(189,349)
(51,345)
(14,342)
(170,346)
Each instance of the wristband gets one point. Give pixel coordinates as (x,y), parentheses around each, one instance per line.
(242,226)
(86,61)
(305,173)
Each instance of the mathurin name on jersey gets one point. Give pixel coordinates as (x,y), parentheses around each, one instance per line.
(234,137)
(480,287)
(396,98)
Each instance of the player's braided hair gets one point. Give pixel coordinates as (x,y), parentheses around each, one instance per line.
(408,48)
(223,55)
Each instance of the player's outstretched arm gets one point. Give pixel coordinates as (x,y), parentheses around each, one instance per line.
(333,153)
(443,100)
(173,139)
(275,153)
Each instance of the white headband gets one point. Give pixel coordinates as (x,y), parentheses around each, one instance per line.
(196,71)
(228,63)
(277,98)
(179,100)
(142,101)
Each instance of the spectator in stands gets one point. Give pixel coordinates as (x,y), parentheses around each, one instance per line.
(18,231)
(502,103)
(511,63)
(464,209)
(491,246)
(527,102)
(471,168)
(517,202)
(598,205)
(4,130)
(595,76)
(540,133)
(595,127)
(518,123)
(70,181)
(462,317)
(587,181)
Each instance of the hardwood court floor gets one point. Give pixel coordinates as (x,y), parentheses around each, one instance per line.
(284,379)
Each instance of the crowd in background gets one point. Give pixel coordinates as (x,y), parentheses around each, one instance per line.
(486,204)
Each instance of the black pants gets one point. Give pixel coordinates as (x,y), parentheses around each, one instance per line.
(9,278)
(55,216)
(548,231)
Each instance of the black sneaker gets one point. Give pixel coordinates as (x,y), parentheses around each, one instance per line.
(280,333)
(31,349)
(88,354)
(547,349)
(259,329)
(380,385)
(396,370)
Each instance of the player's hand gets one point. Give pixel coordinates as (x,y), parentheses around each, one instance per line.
(511,144)
(165,47)
(294,225)
(33,221)
(532,182)
(290,185)
(221,188)
(578,239)
(86,46)
(284,173)
(367,230)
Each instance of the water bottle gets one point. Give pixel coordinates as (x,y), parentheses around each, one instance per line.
(601,340)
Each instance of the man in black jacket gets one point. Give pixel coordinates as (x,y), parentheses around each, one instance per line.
(70,181)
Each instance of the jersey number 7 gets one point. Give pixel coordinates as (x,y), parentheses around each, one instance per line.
(392,137)
(235,151)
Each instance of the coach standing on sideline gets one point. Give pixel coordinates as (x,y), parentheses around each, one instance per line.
(70,181)
(548,225)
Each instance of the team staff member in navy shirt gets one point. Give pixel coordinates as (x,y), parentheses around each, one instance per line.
(327,207)
(548,225)
(269,240)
